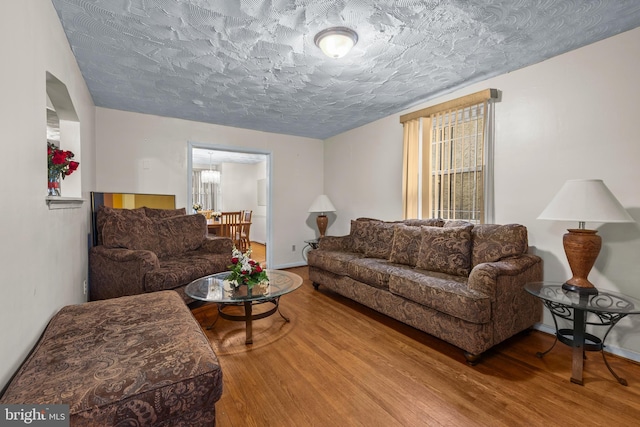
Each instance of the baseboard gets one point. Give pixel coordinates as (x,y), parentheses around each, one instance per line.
(627,354)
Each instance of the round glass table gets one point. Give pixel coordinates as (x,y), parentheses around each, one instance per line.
(217,289)
(607,307)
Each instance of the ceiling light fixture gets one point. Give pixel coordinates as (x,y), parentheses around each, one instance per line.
(210,176)
(336,42)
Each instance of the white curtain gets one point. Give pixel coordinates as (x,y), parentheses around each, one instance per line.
(205,193)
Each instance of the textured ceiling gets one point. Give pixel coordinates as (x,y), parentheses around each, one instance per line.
(252,63)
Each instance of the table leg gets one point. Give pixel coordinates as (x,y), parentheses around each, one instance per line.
(248,315)
(613,319)
(579,326)
(541,354)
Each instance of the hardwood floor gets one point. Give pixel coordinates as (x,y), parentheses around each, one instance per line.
(259,253)
(337,363)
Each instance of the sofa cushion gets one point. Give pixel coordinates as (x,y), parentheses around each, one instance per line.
(163,213)
(135,232)
(492,242)
(446,293)
(431,222)
(333,261)
(406,245)
(180,234)
(106,212)
(446,250)
(372,271)
(182,269)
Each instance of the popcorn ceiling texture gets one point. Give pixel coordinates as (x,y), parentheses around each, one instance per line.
(253,64)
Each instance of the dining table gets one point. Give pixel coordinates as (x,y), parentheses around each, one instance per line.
(214,225)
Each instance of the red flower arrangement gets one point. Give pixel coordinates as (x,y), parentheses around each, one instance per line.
(59,162)
(245,271)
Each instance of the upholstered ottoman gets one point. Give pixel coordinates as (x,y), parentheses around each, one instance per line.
(134,360)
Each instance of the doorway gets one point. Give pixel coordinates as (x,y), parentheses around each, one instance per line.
(228,179)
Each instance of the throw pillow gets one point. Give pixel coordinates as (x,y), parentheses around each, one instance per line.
(455,223)
(106,212)
(135,233)
(379,240)
(163,213)
(432,222)
(360,230)
(492,242)
(180,234)
(446,250)
(406,245)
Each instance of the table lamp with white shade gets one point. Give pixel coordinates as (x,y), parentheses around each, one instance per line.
(321,205)
(583,200)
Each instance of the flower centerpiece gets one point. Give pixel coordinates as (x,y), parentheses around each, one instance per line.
(59,165)
(197,207)
(246,271)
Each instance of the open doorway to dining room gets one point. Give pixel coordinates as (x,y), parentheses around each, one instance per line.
(231,179)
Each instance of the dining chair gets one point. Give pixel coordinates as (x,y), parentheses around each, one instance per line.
(245,227)
(230,225)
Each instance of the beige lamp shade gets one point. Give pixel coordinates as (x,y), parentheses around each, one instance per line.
(322,204)
(585,200)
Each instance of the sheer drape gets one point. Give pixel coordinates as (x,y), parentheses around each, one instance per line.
(204,193)
(411,169)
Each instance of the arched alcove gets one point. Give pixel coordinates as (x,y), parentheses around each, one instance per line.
(63,130)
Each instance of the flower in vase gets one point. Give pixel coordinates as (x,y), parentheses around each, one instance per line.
(244,270)
(59,161)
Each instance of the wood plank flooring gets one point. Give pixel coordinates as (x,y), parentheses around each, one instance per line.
(338,363)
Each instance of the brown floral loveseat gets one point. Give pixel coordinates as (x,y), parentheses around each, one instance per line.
(459,282)
(138,360)
(146,250)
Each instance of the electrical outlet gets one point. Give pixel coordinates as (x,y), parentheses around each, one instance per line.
(293,248)
(84,286)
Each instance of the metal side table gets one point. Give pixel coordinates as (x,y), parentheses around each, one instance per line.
(607,307)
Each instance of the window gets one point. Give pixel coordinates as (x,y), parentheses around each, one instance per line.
(447,169)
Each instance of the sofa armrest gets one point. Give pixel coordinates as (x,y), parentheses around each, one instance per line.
(335,243)
(522,269)
(217,245)
(117,272)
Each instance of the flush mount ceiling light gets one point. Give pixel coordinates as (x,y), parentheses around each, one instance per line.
(336,42)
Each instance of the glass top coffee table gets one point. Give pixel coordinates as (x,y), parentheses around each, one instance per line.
(216,289)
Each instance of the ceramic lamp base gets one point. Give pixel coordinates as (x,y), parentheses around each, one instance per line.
(322,222)
(582,248)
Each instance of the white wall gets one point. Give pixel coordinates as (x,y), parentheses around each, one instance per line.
(43,253)
(363,171)
(573,116)
(142,153)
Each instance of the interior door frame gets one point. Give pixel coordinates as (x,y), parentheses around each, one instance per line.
(216,147)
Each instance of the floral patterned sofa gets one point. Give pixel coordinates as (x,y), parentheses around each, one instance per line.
(456,281)
(147,250)
(138,360)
